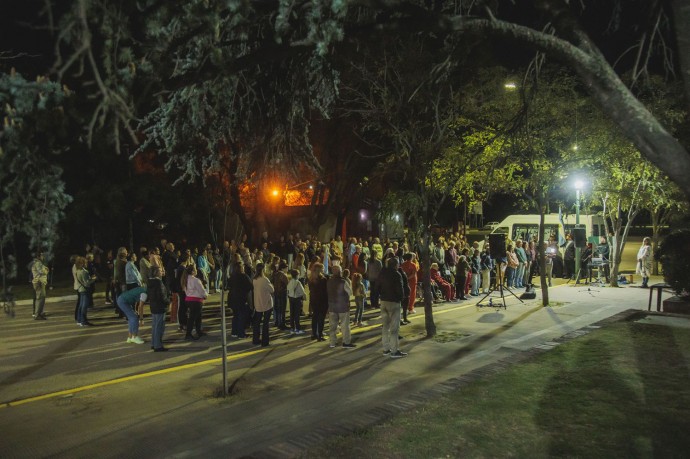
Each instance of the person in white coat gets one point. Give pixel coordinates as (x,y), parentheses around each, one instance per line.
(644,261)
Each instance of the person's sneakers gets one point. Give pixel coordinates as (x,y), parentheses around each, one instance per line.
(333,345)
(411,311)
(108,302)
(349,346)
(160,349)
(40,317)
(299,332)
(398,354)
(233,336)
(136,340)
(188,337)
(387,352)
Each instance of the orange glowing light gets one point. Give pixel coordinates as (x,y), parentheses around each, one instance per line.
(274,192)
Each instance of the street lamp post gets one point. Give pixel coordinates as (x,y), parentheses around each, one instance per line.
(578,187)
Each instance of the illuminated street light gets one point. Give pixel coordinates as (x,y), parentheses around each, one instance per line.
(275,193)
(510,86)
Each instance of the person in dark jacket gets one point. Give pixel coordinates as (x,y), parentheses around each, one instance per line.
(390,285)
(339,293)
(158,302)
(240,285)
(318,300)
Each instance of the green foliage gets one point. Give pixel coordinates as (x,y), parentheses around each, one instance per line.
(32,193)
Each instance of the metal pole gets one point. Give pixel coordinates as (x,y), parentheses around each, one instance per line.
(577,225)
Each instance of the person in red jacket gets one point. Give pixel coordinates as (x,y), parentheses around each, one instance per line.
(411,267)
(446,288)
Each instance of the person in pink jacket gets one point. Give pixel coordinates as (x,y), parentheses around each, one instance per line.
(195,294)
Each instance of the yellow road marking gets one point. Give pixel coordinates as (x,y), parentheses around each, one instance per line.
(129,378)
(185,366)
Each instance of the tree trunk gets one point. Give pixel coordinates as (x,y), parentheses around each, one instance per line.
(681,25)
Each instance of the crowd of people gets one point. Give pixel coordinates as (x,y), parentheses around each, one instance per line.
(273,280)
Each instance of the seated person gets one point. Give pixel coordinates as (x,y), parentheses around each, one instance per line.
(446,288)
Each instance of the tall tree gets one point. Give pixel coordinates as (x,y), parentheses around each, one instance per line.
(32,194)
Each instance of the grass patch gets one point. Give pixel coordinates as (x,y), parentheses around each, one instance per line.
(449,336)
(620,391)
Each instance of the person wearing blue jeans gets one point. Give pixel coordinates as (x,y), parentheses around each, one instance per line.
(128,302)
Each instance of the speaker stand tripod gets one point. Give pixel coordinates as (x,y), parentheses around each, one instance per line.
(500,288)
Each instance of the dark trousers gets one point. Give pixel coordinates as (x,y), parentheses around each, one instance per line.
(318,321)
(240,315)
(374,294)
(295,311)
(182,309)
(569,269)
(404,303)
(460,286)
(261,322)
(280,307)
(194,320)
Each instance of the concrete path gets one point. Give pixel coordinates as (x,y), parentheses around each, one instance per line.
(67,391)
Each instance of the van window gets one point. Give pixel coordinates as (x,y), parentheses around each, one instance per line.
(501,230)
(530,231)
(524,231)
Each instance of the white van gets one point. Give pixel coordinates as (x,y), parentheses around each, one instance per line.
(526,227)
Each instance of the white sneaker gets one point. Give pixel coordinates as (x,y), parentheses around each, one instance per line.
(129,340)
(137,340)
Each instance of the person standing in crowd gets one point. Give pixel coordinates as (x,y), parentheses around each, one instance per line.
(522,263)
(39,281)
(119,277)
(203,269)
(240,286)
(644,261)
(512,266)
(373,269)
(486,265)
(390,287)
(569,258)
(128,302)
(158,302)
(410,267)
(263,304)
(339,293)
(462,267)
(194,296)
(280,281)
(475,266)
(296,295)
(132,274)
(318,301)
(82,284)
(359,292)
(144,265)
(108,270)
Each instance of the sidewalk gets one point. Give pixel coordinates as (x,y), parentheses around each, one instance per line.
(132,402)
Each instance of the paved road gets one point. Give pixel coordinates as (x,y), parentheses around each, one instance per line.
(77,392)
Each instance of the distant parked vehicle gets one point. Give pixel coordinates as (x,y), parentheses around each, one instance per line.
(490,226)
